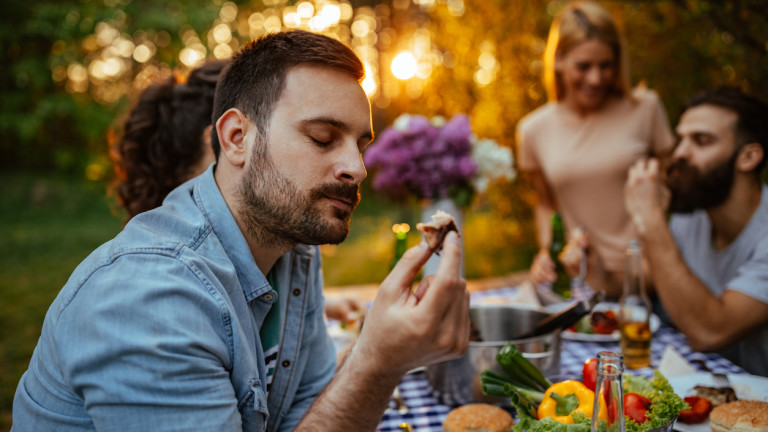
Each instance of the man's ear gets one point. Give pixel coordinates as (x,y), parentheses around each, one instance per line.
(749,157)
(231,128)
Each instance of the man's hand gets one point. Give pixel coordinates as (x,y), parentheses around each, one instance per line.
(403,330)
(646,198)
(406,329)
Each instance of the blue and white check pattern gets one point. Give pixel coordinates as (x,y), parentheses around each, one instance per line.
(426,413)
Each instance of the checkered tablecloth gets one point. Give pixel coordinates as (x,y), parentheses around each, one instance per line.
(426,414)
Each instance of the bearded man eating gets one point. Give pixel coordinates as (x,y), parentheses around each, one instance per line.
(709,265)
(206,314)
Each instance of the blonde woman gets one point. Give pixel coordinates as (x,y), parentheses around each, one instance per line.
(578,147)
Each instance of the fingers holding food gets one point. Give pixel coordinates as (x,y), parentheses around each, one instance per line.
(435,231)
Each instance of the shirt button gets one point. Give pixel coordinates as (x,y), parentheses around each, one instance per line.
(286,363)
(296,292)
(268,297)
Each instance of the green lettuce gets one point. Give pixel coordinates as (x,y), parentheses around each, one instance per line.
(665,403)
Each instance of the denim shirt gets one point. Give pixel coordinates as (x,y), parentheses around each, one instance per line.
(158,330)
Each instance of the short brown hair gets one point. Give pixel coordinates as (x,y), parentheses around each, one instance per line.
(577,23)
(256,77)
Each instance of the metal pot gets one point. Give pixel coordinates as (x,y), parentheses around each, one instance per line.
(458,381)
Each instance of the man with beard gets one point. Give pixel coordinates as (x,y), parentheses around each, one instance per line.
(709,265)
(206,313)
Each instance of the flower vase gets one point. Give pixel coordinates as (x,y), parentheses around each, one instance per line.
(447,205)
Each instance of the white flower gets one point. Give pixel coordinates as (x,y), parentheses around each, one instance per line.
(401,123)
(493,162)
(438,121)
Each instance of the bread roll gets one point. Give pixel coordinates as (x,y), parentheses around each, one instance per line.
(478,417)
(436,230)
(740,416)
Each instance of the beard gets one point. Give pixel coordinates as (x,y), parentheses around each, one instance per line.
(693,189)
(275,212)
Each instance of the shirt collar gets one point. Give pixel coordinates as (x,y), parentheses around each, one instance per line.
(212,204)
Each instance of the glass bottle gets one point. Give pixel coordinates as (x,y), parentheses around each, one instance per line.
(401,241)
(635,312)
(609,393)
(562,284)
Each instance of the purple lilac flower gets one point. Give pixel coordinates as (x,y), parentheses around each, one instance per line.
(422,159)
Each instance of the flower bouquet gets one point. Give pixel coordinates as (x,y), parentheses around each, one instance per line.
(434,159)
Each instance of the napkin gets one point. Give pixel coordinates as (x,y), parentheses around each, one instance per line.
(523,295)
(526,295)
(673,364)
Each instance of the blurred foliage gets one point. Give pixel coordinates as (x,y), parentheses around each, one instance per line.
(43,124)
(50,122)
(677,47)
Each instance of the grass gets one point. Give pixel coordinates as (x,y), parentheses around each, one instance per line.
(49,224)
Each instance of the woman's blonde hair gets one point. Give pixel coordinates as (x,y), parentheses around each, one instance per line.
(576,23)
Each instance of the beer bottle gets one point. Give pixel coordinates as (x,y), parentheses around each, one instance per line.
(562,284)
(609,393)
(401,241)
(635,312)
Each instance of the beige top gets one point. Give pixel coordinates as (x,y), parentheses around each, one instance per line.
(585,162)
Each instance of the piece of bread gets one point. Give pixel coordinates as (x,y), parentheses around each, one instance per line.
(436,230)
(740,416)
(478,417)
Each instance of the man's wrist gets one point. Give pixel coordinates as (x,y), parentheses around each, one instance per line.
(369,366)
(650,222)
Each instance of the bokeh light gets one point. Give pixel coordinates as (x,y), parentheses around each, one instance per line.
(228,12)
(142,53)
(305,10)
(222,33)
(192,56)
(404,65)
(389,51)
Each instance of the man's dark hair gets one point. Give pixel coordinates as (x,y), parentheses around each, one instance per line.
(752,123)
(255,79)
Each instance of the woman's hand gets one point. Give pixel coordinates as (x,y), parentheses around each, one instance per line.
(542,268)
(347,310)
(574,251)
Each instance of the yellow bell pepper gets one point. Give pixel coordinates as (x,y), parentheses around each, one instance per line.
(584,396)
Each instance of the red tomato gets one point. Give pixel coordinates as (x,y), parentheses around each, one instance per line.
(636,407)
(589,374)
(700,408)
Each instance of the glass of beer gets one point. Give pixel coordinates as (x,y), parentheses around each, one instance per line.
(635,343)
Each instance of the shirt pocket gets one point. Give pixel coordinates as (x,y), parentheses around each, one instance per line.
(253,408)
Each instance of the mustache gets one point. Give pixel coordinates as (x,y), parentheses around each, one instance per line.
(681,167)
(345,191)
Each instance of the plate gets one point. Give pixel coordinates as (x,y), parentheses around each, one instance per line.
(746,387)
(655,323)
